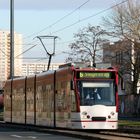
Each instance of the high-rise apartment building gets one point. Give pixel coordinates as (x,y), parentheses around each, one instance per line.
(34,68)
(17,51)
(5,55)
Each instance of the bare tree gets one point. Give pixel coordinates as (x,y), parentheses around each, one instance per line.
(125,25)
(87,45)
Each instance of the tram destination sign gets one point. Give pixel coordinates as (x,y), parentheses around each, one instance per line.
(94,75)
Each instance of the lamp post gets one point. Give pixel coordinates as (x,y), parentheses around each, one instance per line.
(11,39)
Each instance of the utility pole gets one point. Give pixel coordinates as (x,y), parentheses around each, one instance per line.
(48,53)
(11,39)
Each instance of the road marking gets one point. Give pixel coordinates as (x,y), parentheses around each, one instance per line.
(32,137)
(17,136)
(29,137)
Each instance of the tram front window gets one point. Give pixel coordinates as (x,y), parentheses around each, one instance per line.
(93,93)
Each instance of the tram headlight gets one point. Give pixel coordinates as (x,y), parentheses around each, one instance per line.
(109,117)
(84,113)
(112,113)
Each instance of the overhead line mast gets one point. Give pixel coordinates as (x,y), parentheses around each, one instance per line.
(11,39)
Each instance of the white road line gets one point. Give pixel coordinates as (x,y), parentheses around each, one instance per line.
(32,137)
(17,136)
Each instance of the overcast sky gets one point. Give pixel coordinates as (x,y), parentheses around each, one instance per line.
(55,17)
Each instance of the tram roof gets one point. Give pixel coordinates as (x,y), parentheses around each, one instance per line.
(86,66)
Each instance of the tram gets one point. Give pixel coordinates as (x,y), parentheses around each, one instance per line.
(71,97)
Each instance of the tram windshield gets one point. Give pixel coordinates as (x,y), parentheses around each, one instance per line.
(94,93)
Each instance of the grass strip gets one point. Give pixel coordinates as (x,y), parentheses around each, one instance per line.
(129,123)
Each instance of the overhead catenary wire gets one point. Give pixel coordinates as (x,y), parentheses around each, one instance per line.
(68,26)
(37,44)
(86,18)
(83,19)
(57,21)
(26,50)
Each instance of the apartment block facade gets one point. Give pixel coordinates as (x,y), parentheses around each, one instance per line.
(5,54)
(34,68)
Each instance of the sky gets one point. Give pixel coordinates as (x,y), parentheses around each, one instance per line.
(61,18)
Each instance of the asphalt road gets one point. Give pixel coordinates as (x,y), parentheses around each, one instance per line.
(22,134)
